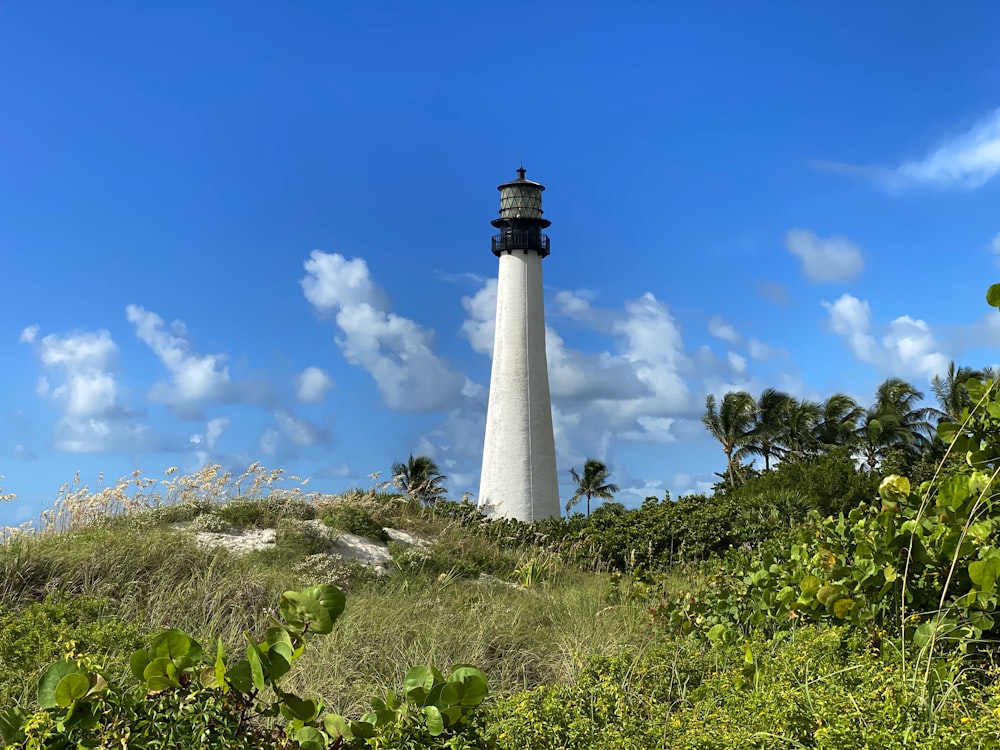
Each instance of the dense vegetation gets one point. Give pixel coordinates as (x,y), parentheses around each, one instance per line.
(805,603)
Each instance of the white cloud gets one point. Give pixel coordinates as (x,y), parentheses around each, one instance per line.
(758,350)
(84,363)
(575,305)
(213,431)
(968,160)
(479,326)
(81,378)
(720,329)
(333,281)
(908,346)
(396,351)
(833,259)
(312,384)
(576,375)
(300,431)
(29,334)
(89,435)
(194,378)
(738,363)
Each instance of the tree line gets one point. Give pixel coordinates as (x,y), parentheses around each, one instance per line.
(776,426)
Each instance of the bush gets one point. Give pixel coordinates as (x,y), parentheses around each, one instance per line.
(265,512)
(301,537)
(186,699)
(32,637)
(212,523)
(818,689)
(431,561)
(354,520)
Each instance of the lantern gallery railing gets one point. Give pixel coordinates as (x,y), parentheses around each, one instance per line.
(513,239)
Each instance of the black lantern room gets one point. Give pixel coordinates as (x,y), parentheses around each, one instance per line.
(521,221)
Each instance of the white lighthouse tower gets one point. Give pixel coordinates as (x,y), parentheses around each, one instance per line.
(519,455)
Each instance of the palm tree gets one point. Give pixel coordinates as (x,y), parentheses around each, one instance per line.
(893,421)
(593,483)
(419,478)
(731,424)
(838,421)
(770,417)
(951,393)
(798,431)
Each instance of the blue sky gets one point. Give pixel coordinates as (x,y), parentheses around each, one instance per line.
(233,232)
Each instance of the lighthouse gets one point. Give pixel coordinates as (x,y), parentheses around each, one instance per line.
(519,455)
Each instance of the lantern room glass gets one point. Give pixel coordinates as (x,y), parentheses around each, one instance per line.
(520,201)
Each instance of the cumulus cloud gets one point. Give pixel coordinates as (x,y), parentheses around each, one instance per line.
(967,161)
(720,329)
(81,379)
(290,435)
(213,431)
(194,378)
(738,363)
(312,384)
(396,351)
(480,323)
(832,259)
(577,375)
(907,345)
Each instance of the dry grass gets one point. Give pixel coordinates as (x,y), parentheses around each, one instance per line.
(77,506)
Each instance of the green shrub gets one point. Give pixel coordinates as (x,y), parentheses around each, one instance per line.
(187,700)
(432,560)
(335,571)
(212,523)
(32,637)
(301,537)
(265,512)
(354,520)
(817,689)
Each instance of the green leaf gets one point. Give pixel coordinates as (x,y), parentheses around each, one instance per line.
(329,597)
(435,724)
(809,585)
(716,633)
(310,738)
(175,644)
(894,487)
(993,295)
(298,708)
(71,688)
(138,663)
(11,721)
(239,676)
(50,680)
(826,594)
(417,683)
(984,573)
(160,674)
(337,726)
(923,635)
(280,658)
(256,660)
(946,431)
(300,611)
(364,729)
(220,664)
(842,607)
(470,684)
